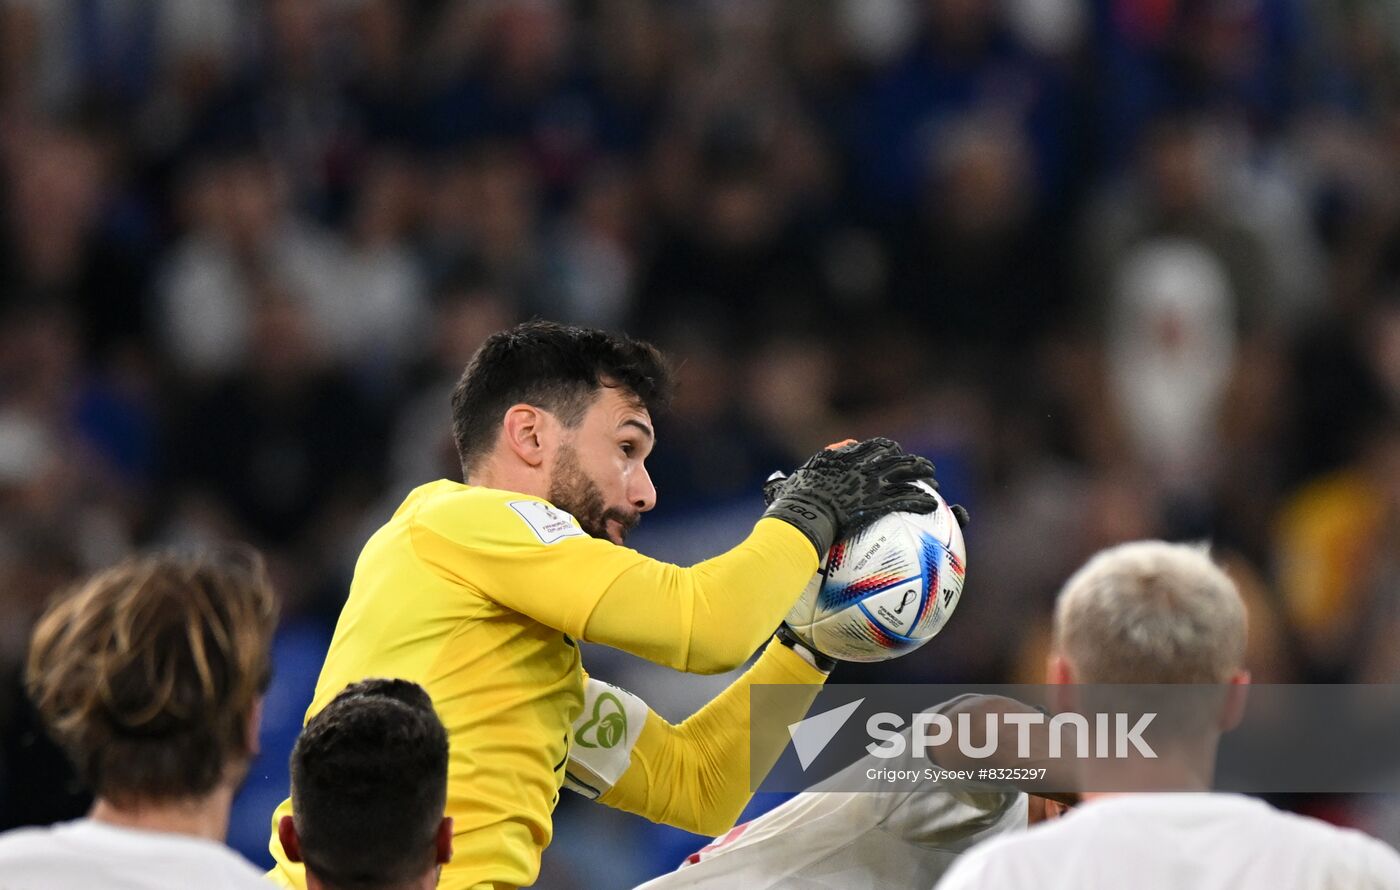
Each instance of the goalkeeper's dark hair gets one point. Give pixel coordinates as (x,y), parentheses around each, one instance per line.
(147,673)
(369,785)
(560,368)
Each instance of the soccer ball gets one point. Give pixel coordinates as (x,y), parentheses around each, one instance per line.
(886,590)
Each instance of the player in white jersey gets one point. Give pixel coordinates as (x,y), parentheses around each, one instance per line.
(151,677)
(856,839)
(1172,841)
(850,839)
(1151,612)
(88,853)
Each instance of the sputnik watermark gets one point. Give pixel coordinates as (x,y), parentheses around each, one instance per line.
(933,730)
(1263,738)
(893,737)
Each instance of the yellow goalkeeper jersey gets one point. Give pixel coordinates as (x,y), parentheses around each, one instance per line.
(479,595)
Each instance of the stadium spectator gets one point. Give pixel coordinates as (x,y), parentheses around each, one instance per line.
(244,239)
(1336,563)
(369,785)
(1151,612)
(150,675)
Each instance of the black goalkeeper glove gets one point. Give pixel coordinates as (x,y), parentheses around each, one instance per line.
(774,484)
(842,490)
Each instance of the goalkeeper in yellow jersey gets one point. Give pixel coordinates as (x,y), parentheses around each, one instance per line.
(479,592)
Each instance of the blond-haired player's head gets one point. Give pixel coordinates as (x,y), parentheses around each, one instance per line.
(1153,627)
(150,675)
(1149,612)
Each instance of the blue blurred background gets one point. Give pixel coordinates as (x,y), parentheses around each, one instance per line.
(1121,267)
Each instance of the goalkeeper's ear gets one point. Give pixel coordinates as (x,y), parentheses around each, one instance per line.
(526,431)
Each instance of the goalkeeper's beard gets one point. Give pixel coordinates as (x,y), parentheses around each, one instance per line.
(571,490)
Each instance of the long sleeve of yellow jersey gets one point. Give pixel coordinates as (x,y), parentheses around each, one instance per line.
(697,775)
(707,618)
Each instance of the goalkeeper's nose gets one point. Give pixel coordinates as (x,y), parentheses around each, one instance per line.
(641,493)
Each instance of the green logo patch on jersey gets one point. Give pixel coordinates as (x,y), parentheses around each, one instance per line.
(606,727)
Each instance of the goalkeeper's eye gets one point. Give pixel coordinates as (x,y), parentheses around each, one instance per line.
(628,448)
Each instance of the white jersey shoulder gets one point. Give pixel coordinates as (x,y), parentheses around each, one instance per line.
(851,839)
(837,840)
(84,854)
(1180,842)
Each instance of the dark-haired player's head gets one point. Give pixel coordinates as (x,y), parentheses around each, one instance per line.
(565,413)
(369,788)
(150,675)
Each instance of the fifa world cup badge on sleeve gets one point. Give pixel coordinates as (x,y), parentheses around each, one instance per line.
(549,523)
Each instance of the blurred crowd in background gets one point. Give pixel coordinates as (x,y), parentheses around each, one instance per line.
(1122,268)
